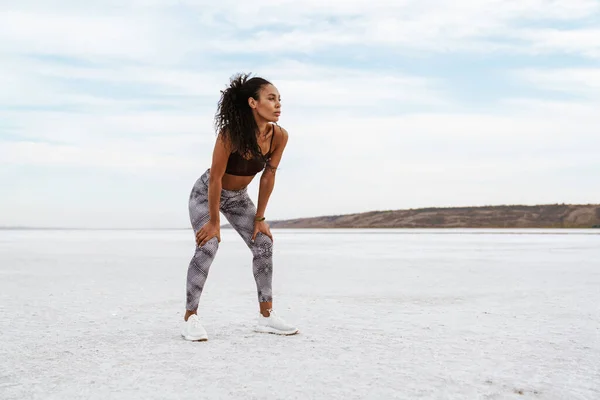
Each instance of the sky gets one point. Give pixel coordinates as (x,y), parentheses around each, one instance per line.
(107,107)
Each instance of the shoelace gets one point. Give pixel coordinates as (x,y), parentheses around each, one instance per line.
(276,317)
(195,322)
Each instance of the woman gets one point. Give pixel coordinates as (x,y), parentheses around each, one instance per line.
(249,141)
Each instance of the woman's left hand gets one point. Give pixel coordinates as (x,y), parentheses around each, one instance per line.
(263,227)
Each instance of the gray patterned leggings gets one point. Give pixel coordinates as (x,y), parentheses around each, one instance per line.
(240,212)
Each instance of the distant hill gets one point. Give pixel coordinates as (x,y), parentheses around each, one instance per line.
(506,216)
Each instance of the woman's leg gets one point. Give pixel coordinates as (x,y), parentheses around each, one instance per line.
(240,211)
(204,255)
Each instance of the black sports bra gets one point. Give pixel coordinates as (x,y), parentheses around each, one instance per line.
(239,166)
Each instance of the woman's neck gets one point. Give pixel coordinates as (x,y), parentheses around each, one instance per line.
(263,128)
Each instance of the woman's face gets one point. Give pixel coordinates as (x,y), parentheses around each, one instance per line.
(268,106)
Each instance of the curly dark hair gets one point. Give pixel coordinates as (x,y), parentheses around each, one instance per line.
(234,120)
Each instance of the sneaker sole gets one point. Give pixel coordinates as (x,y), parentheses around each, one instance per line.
(261,329)
(193,339)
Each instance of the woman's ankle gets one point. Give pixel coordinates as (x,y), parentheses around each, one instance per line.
(188,314)
(265,308)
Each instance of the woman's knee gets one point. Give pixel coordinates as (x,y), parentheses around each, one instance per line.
(209,248)
(262,245)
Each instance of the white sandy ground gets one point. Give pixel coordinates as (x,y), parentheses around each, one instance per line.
(384,314)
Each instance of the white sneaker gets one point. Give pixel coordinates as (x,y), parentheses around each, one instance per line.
(193,330)
(274,324)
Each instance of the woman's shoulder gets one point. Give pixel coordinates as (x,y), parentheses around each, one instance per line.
(224,140)
(280,138)
(280,132)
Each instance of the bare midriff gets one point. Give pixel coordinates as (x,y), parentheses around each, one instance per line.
(234,182)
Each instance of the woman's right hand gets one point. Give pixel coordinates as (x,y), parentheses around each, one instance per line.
(207,232)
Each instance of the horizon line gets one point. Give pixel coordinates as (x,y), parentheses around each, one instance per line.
(228,226)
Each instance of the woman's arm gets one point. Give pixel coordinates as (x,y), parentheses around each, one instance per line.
(267,179)
(217,170)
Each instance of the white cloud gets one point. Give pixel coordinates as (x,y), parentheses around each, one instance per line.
(169,31)
(121,155)
(581,41)
(579,81)
(76,35)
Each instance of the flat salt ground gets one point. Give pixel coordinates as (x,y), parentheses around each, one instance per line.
(448,314)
